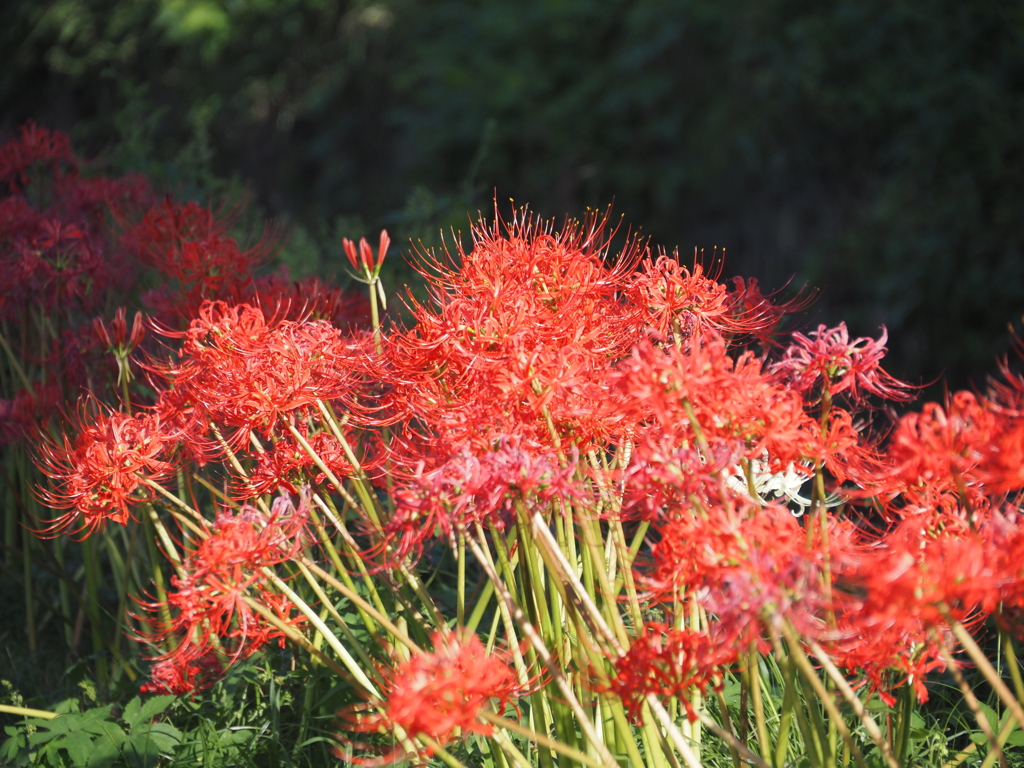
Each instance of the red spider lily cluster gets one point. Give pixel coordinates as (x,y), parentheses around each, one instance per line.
(441,693)
(206,617)
(547,381)
(74,244)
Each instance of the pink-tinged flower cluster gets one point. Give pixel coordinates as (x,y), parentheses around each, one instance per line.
(827,359)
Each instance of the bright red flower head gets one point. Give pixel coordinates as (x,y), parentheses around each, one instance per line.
(670,662)
(99,474)
(441,693)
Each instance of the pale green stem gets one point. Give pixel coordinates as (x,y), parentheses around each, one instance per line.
(539,738)
(856,704)
(972,703)
(823,695)
(979,658)
(553,669)
(27,712)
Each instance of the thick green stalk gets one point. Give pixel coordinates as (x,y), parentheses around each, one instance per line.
(823,695)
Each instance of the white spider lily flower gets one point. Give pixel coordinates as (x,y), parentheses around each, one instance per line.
(773,485)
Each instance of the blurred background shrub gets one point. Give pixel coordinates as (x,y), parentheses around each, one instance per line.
(872,148)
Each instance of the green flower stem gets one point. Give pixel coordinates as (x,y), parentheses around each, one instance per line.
(16,365)
(460,583)
(30,603)
(41,714)
(484,600)
(332,553)
(823,695)
(728,734)
(905,717)
(786,718)
(356,598)
(539,738)
(535,640)
(328,508)
(870,726)
(359,481)
(329,608)
(298,638)
(591,538)
(314,619)
(506,615)
(1012,662)
(1009,726)
(754,676)
(92,582)
(984,665)
(971,701)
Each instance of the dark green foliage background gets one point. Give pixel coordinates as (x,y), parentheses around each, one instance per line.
(872,148)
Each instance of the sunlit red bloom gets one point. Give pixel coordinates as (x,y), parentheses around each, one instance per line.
(937,452)
(528,323)
(731,400)
(681,301)
(99,473)
(440,693)
(828,358)
(243,370)
(670,662)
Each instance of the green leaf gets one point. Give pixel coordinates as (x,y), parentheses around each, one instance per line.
(105,754)
(1016,739)
(154,707)
(163,735)
(110,733)
(131,711)
(79,746)
(13,745)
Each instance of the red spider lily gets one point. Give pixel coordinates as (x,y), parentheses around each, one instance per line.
(208,612)
(440,694)
(187,242)
(665,480)
(64,252)
(670,662)
(753,566)
(365,263)
(245,371)
(287,465)
(309,299)
(830,360)
(730,399)
(26,416)
(116,337)
(35,144)
(468,488)
(177,678)
(527,324)
(98,475)
(938,452)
